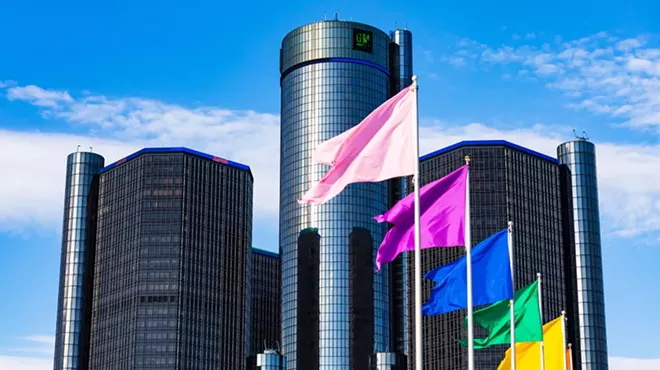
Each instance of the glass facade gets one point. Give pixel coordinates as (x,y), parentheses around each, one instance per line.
(333,74)
(172,262)
(387,361)
(270,360)
(507,183)
(402,73)
(266,300)
(580,158)
(77,262)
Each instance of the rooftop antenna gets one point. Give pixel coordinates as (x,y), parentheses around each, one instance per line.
(91,149)
(583,137)
(406,26)
(336,16)
(78,148)
(265,348)
(279,350)
(325,16)
(396,25)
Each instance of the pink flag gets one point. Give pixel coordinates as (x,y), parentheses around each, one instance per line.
(377,149)
(442,218)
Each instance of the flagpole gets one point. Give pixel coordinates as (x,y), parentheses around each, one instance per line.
(418,248)
(570,356)
(468,251)
(538,277)
(512,301)
(563,336)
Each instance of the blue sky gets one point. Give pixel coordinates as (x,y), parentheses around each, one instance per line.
(204,74)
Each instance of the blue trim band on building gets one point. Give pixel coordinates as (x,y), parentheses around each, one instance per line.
(265,252)
(175,150)
(488,143)
(340,60)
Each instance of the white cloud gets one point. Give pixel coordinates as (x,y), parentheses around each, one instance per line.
(530,36)
(39,357)
(548,69)
(629,44)
(600,74)
(621,363)
(39,96)
(34,193)
(44,339)
(628,207)
(457,61)
(503,55)
(25,363)
(643,65)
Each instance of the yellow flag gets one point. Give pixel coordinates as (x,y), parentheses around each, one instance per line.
(528,354)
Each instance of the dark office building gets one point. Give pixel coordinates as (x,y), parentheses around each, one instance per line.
(337,309)
(77,262)
(266,300)
(172,263)
(507,183)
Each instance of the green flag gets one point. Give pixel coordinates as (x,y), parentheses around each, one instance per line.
(496,319)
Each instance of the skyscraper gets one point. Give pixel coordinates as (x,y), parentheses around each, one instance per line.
(579,156)
(171,283)
(337,310)
(507,183)
(266,301)
(76,263)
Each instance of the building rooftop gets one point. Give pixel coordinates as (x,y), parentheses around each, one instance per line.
(488,143)
(176,150)
(265,252)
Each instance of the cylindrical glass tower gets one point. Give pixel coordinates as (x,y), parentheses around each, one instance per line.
(333,74)
(580,158)
(76,266)
(402,72)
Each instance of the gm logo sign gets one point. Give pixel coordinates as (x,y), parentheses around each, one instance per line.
(362,40)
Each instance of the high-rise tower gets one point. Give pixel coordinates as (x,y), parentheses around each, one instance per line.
(507,183)
(337,309)
(580,158)
(173,259)
(77,263)
(266,301)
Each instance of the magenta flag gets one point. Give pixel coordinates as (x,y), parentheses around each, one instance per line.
(378,148)
(442,218)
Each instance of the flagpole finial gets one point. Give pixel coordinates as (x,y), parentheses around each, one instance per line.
(563,313)
(570,345)
(538,275)
(510,225)
(414,79)
(467,159)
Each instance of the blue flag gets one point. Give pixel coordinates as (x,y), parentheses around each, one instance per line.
(491,278)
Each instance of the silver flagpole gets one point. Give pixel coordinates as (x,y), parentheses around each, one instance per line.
(563,337)
(418,248)
(538,277)
(468,251)
(512,301)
